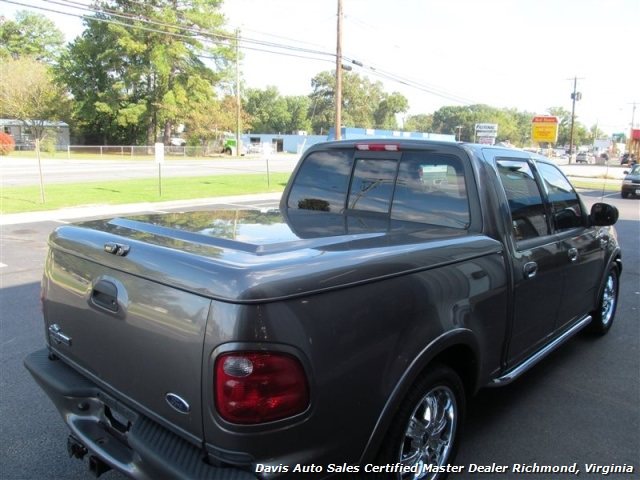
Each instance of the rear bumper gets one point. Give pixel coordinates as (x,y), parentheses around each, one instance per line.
(115,434)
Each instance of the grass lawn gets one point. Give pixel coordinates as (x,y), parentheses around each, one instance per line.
(598,184)
(28,199)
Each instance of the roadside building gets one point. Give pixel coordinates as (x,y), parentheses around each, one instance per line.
(351,133)
(23,135)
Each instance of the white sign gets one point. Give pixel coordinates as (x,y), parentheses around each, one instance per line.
(487,127)
(159,153)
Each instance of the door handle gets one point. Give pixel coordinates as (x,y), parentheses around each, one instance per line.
(530,269)
(105,295)
(573,254)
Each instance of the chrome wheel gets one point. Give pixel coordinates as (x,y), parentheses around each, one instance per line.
(609,296)
(425,429)
(430,433)
(604,315)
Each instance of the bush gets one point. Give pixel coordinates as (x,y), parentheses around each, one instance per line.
(48,145)
(7,144)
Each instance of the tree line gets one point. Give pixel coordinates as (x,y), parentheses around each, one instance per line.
(143,72)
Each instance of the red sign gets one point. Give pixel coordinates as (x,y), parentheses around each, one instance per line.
(635,134)
(545,120)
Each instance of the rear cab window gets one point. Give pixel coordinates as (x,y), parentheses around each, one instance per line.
(410,186)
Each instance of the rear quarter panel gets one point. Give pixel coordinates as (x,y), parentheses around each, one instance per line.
(362,347)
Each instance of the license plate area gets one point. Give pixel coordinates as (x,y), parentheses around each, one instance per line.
(116,417)
(117,421)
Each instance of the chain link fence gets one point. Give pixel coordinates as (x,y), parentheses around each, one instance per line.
(124,152)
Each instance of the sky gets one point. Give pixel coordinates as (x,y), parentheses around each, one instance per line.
(521,54)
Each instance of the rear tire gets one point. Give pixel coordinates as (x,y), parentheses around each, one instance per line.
(427,426)
(605,313)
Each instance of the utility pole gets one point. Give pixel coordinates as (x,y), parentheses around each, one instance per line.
(338,95)
(238,109)
(574,97)
(631,140)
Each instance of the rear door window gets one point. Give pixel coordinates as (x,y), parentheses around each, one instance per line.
(528,214)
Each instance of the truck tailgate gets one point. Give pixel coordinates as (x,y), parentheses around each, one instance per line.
(138,339)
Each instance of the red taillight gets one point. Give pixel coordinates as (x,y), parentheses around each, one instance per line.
(252,387)
(378,147)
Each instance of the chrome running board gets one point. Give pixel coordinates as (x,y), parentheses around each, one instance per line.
(511,375)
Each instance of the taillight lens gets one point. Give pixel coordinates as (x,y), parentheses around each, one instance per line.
(258,387)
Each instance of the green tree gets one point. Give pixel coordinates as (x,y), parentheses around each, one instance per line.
(267,109)
(132,77)
(30,35)
(419,123)
(298,107)
(208,120)
(364,103)
(269,112)
(564,124)
(385,113)
(456,120)
(513,126)
(28,94)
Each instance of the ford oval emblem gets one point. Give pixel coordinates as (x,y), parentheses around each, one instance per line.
(177,403)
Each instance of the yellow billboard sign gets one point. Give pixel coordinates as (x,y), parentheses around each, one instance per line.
(544,129)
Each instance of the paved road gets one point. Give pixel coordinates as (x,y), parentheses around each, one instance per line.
(578,405)
(16,172)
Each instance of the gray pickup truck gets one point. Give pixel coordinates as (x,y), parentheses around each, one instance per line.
(343,333)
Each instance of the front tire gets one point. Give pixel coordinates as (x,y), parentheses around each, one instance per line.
(603,316)
(426,428)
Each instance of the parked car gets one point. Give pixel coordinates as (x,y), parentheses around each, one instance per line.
(177,142)
(584,157)
(631,183)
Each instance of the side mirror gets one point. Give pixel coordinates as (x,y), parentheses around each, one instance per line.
(603,214)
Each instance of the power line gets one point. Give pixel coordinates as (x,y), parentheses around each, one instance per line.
(90,13)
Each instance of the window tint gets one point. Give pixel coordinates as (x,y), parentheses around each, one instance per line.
(372,185)
(321,182)
(525,201)
(431,189)
(567,211)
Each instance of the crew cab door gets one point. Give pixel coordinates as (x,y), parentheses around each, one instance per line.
(537,259)
(580,244)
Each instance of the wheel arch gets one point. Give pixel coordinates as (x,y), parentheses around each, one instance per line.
(458,350)
(615,260)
